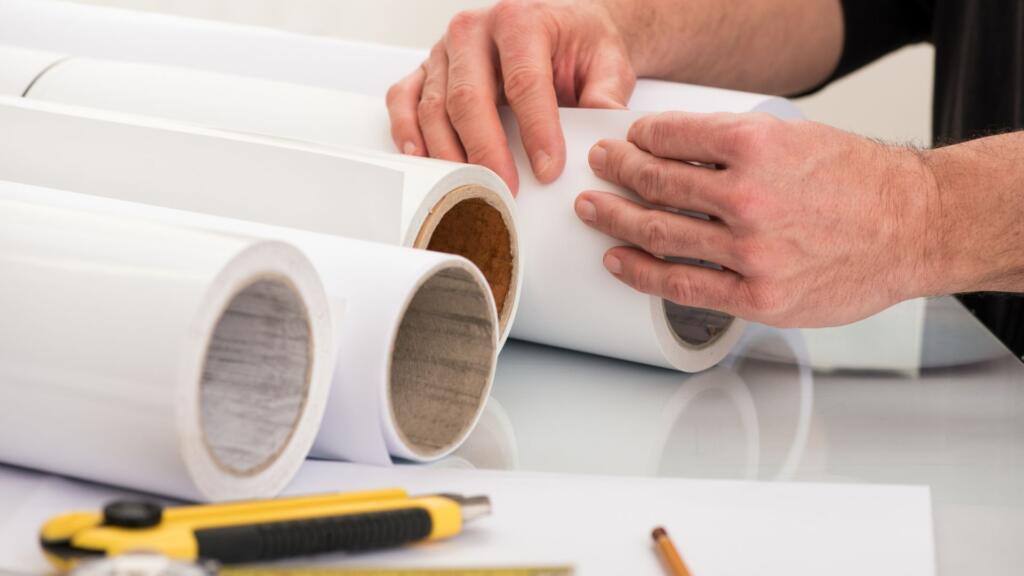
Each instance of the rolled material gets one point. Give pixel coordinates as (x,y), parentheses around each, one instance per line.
(569,299)
(415,331)
(439,206)
(160,358)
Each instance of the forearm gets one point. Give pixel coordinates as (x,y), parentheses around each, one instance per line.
(769,46)
(975,235)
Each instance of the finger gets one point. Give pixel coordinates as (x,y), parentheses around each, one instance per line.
(438,133)
(402,99)
(657,180)
(707,138)
(656,231)
(684,284)
(472,96)
(609,82)
(524,50)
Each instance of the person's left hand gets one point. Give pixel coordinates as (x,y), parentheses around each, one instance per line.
(813,225)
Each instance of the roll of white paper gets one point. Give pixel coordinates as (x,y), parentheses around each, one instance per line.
(569,299)
(159,358)
(439,206)
(416,332)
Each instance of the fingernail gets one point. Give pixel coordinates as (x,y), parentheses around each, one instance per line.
(409,148)
(586,210)
(597,157)
(541,163)
(613,264)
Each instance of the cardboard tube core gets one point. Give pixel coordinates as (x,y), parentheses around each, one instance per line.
(256,376)
(443,362)
(696,327)
(471,222)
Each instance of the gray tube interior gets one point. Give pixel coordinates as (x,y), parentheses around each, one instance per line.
(442,362)
(256,376)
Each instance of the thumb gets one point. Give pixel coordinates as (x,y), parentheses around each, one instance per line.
(609,81)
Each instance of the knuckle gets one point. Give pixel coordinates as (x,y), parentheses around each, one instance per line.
(747,137)
(649,181)
(660,132)
(460,101)
(679,288)
(463,24)
(510,9)
(643,278)
(521,81)
(751,254)
(654,235)
(431,106)
(743,204)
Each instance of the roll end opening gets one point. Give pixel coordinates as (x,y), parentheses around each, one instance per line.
(256,376)
(443,362)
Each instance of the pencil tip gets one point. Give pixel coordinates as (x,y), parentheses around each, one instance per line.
(657,533)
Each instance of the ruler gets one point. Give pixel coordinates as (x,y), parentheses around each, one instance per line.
(482,571)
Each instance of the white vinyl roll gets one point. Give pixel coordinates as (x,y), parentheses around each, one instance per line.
(569,300)
(415,331)
(19,68)
(440,206)
(160,358)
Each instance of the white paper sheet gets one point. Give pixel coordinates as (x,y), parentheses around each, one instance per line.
(441,206)
(403,319)
(602,525)
(164,358)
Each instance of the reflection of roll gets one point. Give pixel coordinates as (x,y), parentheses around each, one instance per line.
(595,313)
(440,206)
(155,357)
(625,418)
(782,391)
(416,336)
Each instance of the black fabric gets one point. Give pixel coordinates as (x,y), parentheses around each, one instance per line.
(979,88)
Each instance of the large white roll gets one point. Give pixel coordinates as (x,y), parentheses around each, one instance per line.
(415,332)
(440,206)
(160,358)
(569,300)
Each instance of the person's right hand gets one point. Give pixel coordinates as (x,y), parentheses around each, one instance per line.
(534,54)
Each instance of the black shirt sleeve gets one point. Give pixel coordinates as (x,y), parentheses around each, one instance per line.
(873,28)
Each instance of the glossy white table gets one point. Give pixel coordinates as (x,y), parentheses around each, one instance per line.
(956,426)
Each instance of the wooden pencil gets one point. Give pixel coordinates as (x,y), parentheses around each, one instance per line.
(669,554)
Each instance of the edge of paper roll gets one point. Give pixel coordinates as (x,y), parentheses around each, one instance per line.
(213,478)
(397,440)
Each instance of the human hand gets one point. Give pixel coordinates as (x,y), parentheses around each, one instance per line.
(536,55)
(813,225)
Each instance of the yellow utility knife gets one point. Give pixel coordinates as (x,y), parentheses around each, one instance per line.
(260,530)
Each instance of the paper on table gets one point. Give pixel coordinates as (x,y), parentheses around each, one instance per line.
(441,206)
(602,524)
(416,336)
(168,359)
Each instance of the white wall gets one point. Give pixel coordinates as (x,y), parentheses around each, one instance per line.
(891,99)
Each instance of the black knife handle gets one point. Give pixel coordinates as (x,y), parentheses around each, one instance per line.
(287,539)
